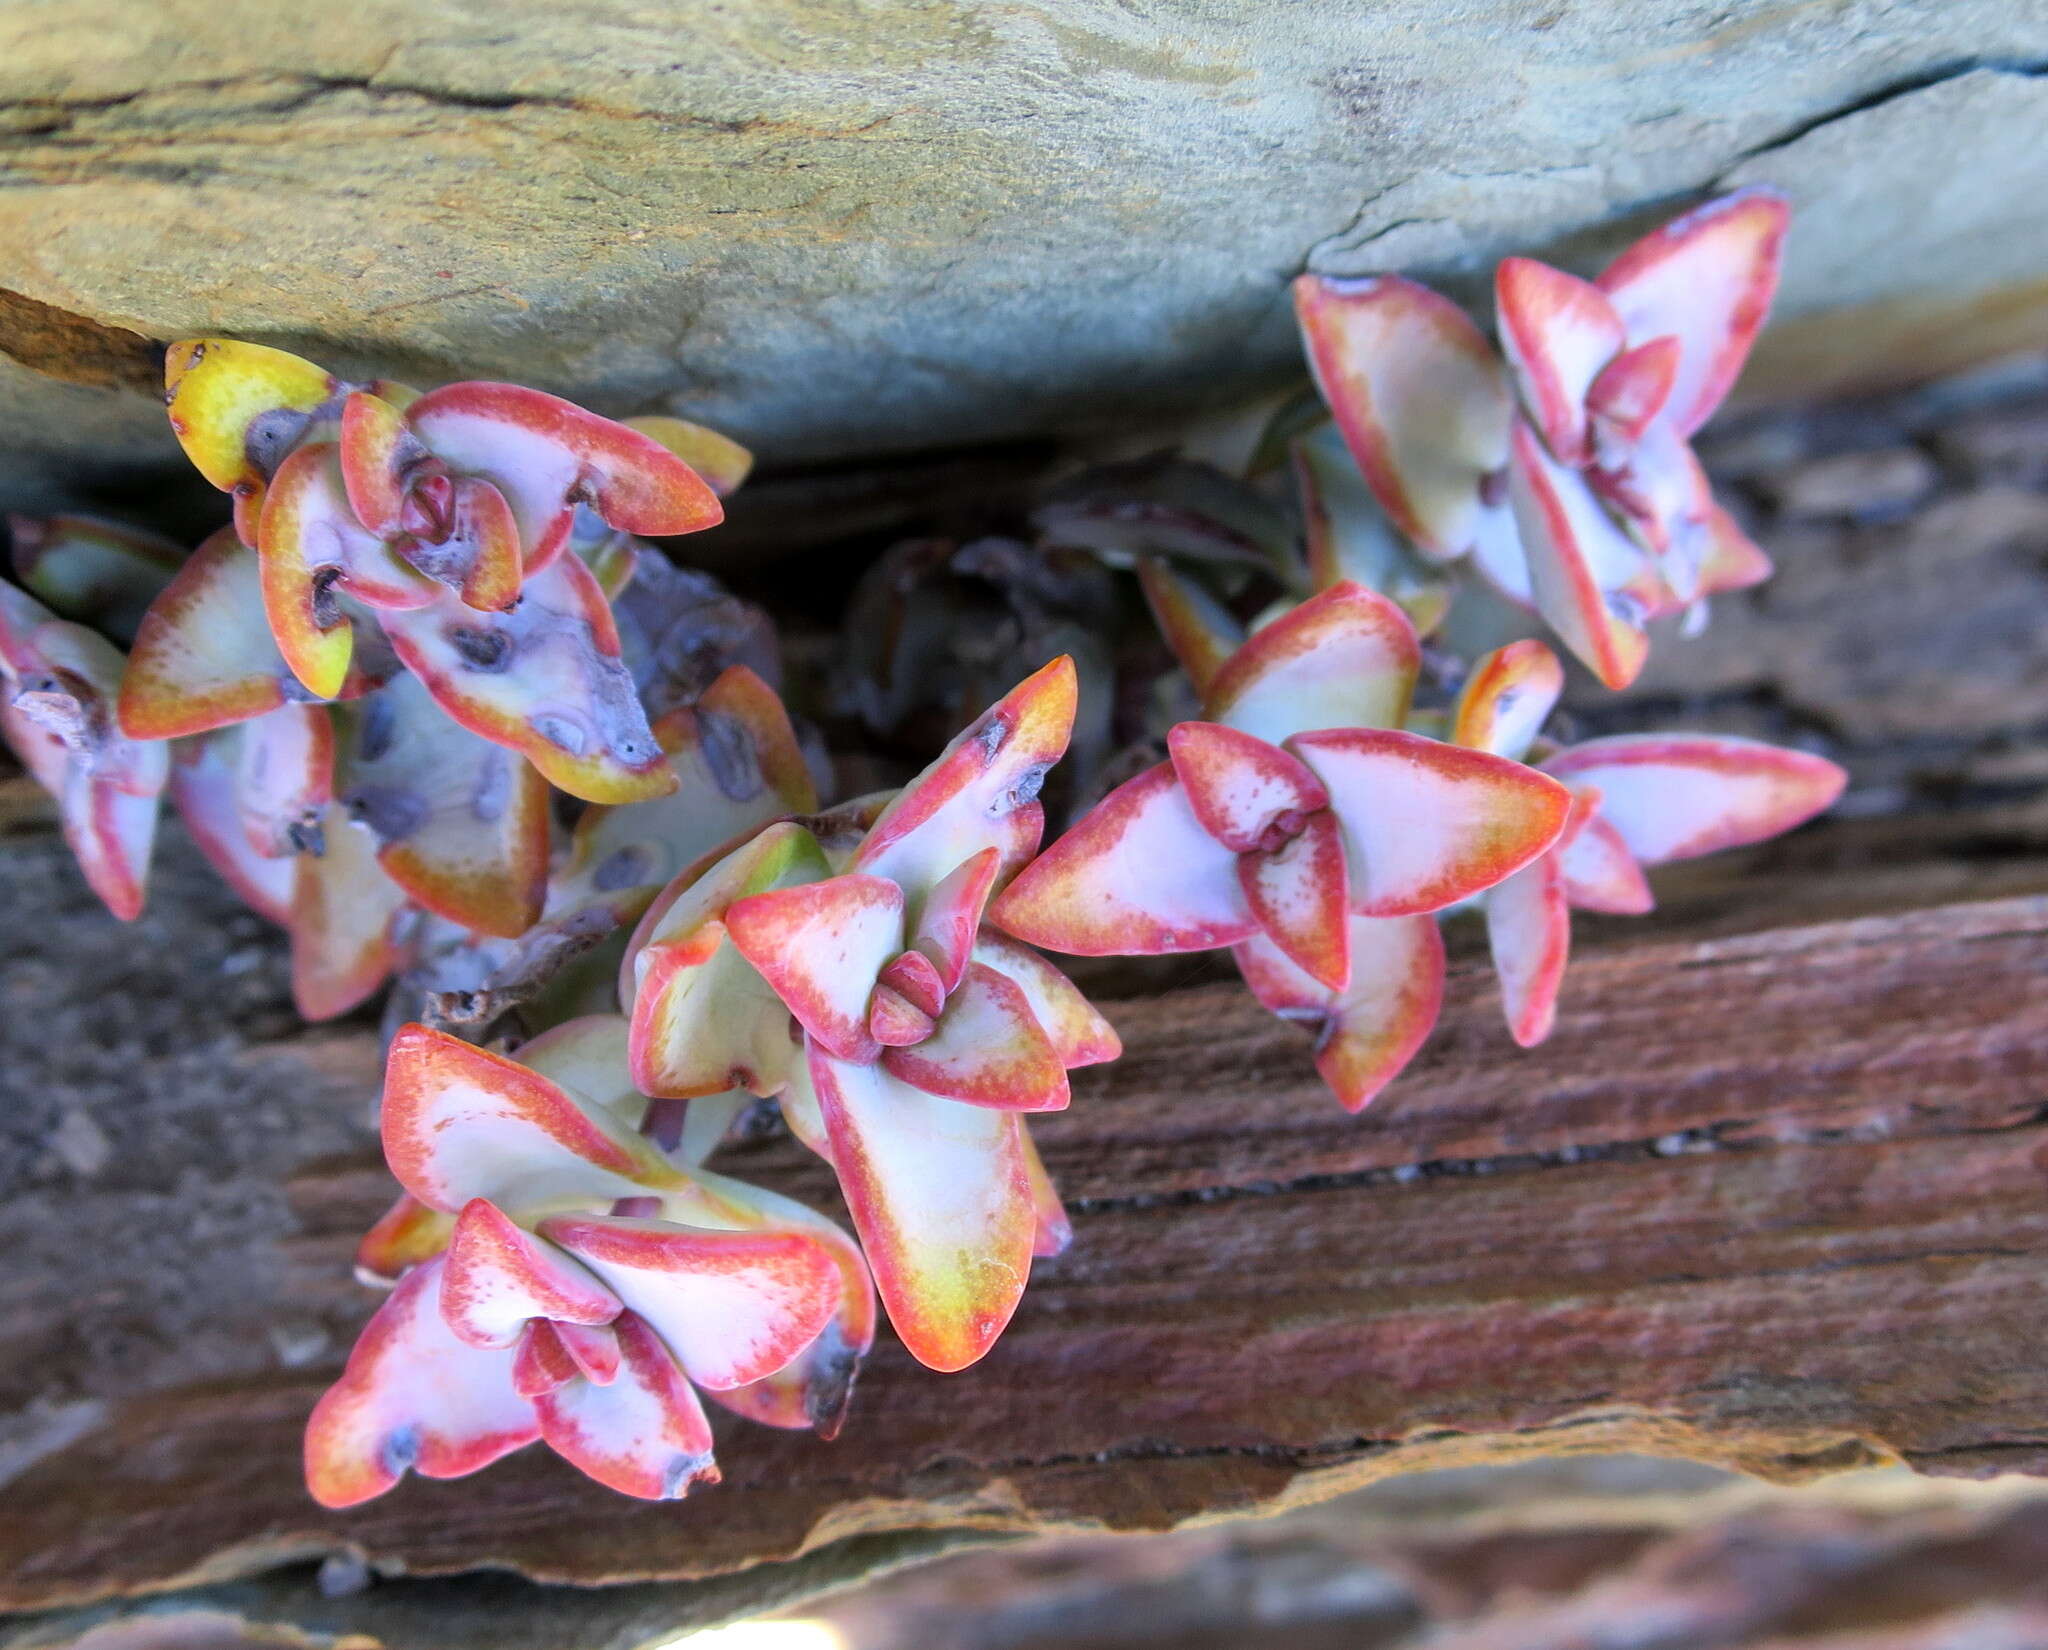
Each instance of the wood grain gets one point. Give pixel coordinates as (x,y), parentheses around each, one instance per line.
(1772,1199)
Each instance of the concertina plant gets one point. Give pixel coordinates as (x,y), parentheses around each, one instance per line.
(431,609)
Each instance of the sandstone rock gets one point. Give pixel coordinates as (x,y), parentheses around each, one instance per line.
(840,229)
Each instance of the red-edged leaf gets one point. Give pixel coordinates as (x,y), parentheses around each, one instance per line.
(1198,628)
(952,915)
(239,409)
(1298,894)
(1506,699)
(343,908)
(1054,1230)
(1589,579)
(1079,1033)
(284,779)
(546,454)
(720,462)
(703,1019)
(1673,796)
(1347,536)
(413,1396)
(541,1362)
(1249,795)
(202,788)
(404,1236)
(375,449)
(643,1434)
(822,947)
(1529,929)
(93,572)
(1600,874)
(732,1306)
(737,766)
(987,1049)
(1427,824)
(499,1276)
(914,977)
(1733,561)
(1136,876)
(985,781)
(462,824)
(1365,1034)
(941,1196)
(544,680)
(894,1021)
(462,1123)
(203,654)
(1559,332)
(1420,396)
(1706,278)
(1342,659)
(1632,390)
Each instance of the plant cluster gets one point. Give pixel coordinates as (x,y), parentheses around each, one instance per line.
(432,608)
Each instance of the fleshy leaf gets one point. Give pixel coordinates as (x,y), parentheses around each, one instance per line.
(202,786)
(1054,1230)
(1558,332)
(952,916)
(203,655)
(1198,628)
(1427,824)
(1136,876)
(93,572)
(312,547)
(1079,1033)
(462,824)
(1298,894)
(822,946)
(719,461)
(376,447)
(1632,390)
(914,977)
(732,1306)
(941,1196)
(1368,1032)
(1529,929)
(343,908)
(738,766)
(1706,278)
(703,1019)
(404,1236)
(644,1433)
(1347,536)
(1506,699)
(544,680)
(1249,795)
(284,779)
(239,409)
(987,1049)
(1600,874)
(499,1276)
(1673,796)
(1590,580)
(983,784)
(462,1123)
(1420,397)
(413,1395)
(546,455)
(1345,658)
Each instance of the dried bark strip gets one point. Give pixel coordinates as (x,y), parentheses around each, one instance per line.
(1773,1200)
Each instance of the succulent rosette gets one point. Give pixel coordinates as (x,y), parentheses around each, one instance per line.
(848,972)
(1302,826)
(1560,465)
(561,1277)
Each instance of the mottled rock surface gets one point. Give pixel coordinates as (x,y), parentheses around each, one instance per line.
(843,229)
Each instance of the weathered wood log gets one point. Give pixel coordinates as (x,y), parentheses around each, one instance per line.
(1771,1200)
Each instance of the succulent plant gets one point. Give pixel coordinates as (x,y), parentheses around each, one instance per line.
(848,973)
(559,1276)
(1561,467)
